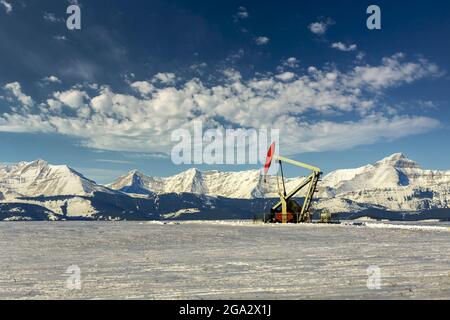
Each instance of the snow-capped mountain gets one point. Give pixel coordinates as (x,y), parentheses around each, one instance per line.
(394,183)
(57,188)
(38,178)
(391,172)
(237,185)
(392,187)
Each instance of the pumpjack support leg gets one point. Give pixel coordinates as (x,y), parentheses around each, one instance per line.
(283,209)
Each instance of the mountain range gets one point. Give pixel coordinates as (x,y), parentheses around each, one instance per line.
(395,187)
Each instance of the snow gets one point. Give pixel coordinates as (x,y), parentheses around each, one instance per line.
(74,206)
(180,213)
(38,178)
(223,260)
(398,160)
(213,183)
(339,176)
(394,183)
(407,227)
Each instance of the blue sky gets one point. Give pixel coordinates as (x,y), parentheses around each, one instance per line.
(104,99)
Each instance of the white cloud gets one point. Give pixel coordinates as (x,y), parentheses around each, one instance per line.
(261,41)
(51,17)
(165,78)
(318,28)
(285,76)
(16,89)
(343,47)
(392,72)
(32,123)
(427,104)
(291,62)
(332,136)
(198,66)
(60,38)
(55,106)
(242,13)
(143,87)
(114,161)
(82,69)
(235,56)
(76,100)
(321,27)
(232,75)
(146,156)
(302,105)
(75,2)
(360,56)
(53,79)
(72,98)
(8,7)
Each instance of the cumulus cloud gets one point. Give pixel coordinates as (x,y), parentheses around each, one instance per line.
(320,27)
(285,76)
(291,62)
(72,98)
(343,47)
(165,78)
(301,105)
(6,5)
(242,13)
(261,41)
(198,66)
(143,87)
(53,79)
(360,56)
(75,100)
(16,89)
(392,72)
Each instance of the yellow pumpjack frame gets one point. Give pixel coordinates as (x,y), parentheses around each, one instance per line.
(311,181)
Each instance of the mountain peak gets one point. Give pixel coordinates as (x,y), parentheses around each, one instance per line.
(192,171)
(135,172)
(39,178)
(133,182)
(398,160)
(37,163)
(395,157)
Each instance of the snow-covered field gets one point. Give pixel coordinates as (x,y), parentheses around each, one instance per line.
(221,260)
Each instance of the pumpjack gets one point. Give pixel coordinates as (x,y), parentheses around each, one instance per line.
(287,210)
